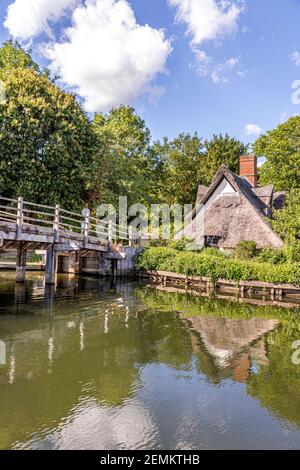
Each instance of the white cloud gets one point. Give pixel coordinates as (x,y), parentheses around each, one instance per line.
(106,56)
(295,57)
(218,72)
(26,19)
(209,20)
(253,129)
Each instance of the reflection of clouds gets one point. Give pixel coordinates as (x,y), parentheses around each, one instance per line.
(12,370)
(82,336)
(97,428)
(2,353)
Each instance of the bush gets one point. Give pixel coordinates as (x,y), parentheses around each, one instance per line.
(157,243)
(182,244)
(270,255)
(246,250)
(203,264)
(293,252)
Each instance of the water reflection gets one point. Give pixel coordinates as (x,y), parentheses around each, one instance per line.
(97,365)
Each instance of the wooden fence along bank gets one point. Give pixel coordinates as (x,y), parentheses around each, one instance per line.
(244,290)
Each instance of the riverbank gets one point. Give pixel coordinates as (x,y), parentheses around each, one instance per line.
(217,266)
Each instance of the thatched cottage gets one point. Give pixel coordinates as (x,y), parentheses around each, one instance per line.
(234,208)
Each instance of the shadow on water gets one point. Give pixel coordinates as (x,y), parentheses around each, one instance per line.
(92,363)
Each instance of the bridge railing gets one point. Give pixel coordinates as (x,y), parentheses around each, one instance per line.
(60,222)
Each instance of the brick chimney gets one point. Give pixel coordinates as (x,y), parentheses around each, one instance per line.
(248,169)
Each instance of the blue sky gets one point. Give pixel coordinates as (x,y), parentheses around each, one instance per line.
(244,74)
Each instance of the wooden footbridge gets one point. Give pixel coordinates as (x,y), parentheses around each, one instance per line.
(29,226)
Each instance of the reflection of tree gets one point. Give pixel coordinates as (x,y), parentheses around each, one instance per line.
(277,384)
(53,372)
(43,394)
(93,348)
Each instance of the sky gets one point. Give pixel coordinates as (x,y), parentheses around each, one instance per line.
(211,66)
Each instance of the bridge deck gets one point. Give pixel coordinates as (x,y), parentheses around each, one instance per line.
(40,225)
(30,226)
(38,238)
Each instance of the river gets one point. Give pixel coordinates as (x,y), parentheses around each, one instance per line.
(92,364)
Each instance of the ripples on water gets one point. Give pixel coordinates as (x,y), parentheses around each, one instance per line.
(93,365)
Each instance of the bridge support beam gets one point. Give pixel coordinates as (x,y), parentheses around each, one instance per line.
(51,266)
(21,263)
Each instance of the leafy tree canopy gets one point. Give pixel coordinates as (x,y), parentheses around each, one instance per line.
(287,221)
(281,147)
(221,150)
(13,56)
(46,141)
(124,161)
(179,168)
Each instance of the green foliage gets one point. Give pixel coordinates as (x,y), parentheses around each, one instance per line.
(246,249)
(13,56)
(157,243)
(34,258)
(293,252)
(183,244)
(180,164)
(221,150)
(271,255)
(46,141)
(124,161)
(287,220)
(281,147)
(185,162)
(204,264)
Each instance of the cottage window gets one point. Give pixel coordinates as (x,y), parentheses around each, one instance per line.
(212,241)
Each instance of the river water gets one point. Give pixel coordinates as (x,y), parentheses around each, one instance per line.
(96,365)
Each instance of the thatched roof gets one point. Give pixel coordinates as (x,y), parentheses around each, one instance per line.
(265,194)
(241,215)
(202,190)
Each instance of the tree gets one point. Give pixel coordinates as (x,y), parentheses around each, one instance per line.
(13,56)
(124,161)
(287,221)
(221,150)
(46,141)
(281,147)
(179,168)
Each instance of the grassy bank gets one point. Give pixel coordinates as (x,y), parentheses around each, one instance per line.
(217,265)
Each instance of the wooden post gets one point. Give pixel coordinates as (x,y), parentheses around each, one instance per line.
(110,232)
(51,265)
(272,293)
(86,225)
(242,291)
(56,223)
(130,233)
(21,264)
(19,217)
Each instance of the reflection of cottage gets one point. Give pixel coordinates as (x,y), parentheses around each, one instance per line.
(231,343)
(235,208)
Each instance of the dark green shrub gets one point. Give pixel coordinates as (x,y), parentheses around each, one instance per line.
(246,249)
(270,255)
(184,244)
(293,252)
(157,243)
